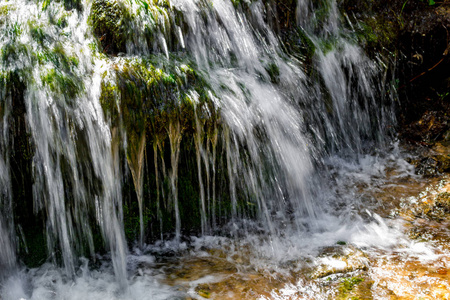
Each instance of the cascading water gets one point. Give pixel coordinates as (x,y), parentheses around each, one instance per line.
(350,87)
(209,86)
(265,134)
(74,170)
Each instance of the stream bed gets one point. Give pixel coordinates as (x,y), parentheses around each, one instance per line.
(395,246)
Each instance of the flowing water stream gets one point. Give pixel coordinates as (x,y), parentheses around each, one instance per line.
(292,154)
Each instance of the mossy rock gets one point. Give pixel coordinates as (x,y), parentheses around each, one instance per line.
(4,10)
(355,288)
(146,94)
(298,44)
(347,285)
(443,202)
(66,85)
(376,24)
(203,290)
(72,4)
(377,33)
(111,23)
(13,52)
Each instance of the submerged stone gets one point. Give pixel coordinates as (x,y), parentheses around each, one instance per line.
(431,207)
(339,259)
(432,165)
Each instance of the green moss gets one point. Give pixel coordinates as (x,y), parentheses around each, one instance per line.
(58,58)
(150,95)
(12,31)
(307,43)
(144,96)
(377,33)
(321,12)
(159,16)
(62,84)
(15,52)
(37,33)
(329,44)
(4,10)
(68,4)
(298,44)
(375,24)
(111,23)
(109,100)
(72,4)
(274,72)
(347,285)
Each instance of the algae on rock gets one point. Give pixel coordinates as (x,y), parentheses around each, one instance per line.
(156,100)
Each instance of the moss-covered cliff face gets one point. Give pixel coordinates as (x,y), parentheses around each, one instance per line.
(166,107)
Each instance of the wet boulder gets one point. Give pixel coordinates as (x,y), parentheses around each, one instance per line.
(432,165)
(111,23)
(435,208)
(340,259)
(442,202)
(433,125)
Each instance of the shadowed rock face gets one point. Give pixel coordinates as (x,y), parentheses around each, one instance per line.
(417,34)
(424,74)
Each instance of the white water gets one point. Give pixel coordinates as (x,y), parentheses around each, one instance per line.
(58,124)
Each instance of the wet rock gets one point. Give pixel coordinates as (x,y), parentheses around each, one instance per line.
(442,202)
(427,166)
(436,208)
(241,286)
(432,126)
(443,163)
(415,35)
(203,290)
(338,259)
(111,22)
(433,165)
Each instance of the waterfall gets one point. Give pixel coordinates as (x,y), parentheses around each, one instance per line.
(184,76)
(350,84)
(75,174)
